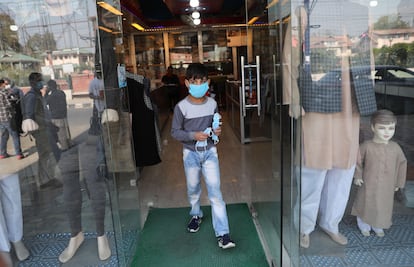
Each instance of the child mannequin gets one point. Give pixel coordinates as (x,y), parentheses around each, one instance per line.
(381,170)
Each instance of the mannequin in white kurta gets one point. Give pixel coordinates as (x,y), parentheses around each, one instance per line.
(11,218)
(381,169)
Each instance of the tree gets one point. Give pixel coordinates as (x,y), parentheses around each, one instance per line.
(400,54)
(41,42)
(391,22)
(8,38)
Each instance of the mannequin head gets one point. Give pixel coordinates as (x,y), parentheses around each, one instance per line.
(383,125)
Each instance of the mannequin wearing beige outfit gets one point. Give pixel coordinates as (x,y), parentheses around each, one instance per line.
(381,170)
(330,138)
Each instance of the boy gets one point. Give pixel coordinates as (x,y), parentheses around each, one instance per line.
(192,116)
(381,170)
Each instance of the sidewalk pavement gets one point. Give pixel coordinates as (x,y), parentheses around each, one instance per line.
(79,102)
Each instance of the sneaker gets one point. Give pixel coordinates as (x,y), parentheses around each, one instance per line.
(4,156)
(225,242)
(194,224)
(20,156)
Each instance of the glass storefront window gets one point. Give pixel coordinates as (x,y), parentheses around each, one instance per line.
(150,55)
(338,71)
(216,54)
(183,48)
(59,184)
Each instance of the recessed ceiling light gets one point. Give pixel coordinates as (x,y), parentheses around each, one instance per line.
(195,15)
(194,3)
(196,21)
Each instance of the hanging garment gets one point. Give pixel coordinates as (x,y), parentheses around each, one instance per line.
(145,132)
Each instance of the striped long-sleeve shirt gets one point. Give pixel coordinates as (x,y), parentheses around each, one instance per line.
(190,118)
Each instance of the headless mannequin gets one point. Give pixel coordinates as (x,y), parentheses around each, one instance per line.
(381,170)
(95,179)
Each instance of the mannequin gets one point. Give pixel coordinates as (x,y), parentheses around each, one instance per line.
(95,181)
(330,123)
(11,218)
(380,171)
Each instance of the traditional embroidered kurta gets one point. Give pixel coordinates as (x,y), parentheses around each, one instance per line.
(382,167)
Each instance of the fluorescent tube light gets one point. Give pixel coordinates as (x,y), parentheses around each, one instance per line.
(105,29)
(138,27)
(109,8)
(252,20)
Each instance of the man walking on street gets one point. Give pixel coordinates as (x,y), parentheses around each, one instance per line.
(5,123)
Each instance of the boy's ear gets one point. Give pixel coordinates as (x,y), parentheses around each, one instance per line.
(187,83)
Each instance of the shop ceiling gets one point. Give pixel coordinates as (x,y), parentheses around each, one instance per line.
(165,14)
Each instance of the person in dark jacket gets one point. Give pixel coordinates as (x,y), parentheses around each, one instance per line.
(36,121)
(56,103)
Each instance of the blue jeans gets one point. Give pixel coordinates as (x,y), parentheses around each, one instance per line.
(5,131)
(206,163)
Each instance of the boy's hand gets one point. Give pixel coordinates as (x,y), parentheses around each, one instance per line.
(217,131)
(200,136)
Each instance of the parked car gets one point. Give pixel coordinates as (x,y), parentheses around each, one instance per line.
(394,85)
(394,89)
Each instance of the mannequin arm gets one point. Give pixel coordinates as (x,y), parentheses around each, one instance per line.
(109,115)
(29,125)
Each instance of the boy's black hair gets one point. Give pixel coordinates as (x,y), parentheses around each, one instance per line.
(196,71)
(34,77)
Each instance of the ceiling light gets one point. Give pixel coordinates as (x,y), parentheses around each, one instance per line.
(252,20)
(138,27)
(14,28)
(105,29)
(195,15)
(194,3)
(109,8)
(196,21)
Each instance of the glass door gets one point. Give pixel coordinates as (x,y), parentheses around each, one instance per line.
(274,191)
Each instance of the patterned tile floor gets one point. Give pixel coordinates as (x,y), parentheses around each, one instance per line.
(46,248)
(395,249)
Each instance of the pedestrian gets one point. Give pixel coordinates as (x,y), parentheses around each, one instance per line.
(381,170)
(6,115)
(192,116)
(16,96)
(171,83)
(36,121)
(56,103)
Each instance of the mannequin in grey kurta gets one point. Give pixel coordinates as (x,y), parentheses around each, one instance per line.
(381,169)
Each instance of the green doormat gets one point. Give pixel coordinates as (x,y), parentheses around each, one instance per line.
(165,242)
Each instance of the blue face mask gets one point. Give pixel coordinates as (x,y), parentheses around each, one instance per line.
(38,85)
(198,91)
